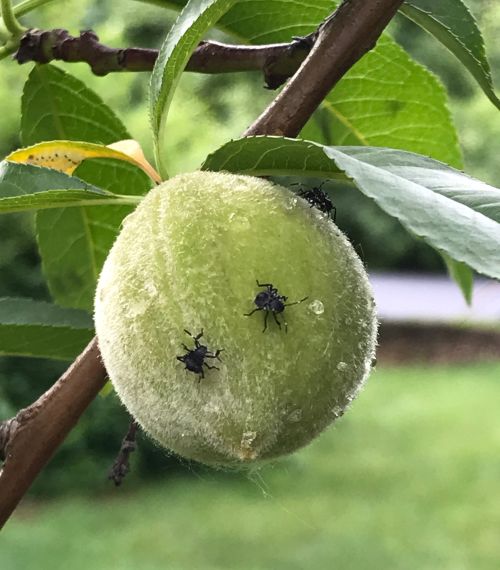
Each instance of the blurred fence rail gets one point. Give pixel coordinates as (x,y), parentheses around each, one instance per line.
(425,319)
(433,299)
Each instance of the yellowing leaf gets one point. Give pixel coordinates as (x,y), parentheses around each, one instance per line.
(133,149)
(66,156)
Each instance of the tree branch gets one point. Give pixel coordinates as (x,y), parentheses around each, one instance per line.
(343,38)
(30,438)
(278,62)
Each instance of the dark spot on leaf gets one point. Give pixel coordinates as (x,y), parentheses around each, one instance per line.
(394,106)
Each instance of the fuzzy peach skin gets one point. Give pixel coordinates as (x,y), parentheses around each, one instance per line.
(188,258)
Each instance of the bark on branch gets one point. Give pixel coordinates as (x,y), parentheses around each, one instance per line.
(278,62)
(33,435)
(30,439)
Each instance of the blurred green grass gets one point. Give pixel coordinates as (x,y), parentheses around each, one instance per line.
(409,479)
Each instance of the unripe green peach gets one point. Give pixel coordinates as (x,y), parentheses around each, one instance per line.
(188,258)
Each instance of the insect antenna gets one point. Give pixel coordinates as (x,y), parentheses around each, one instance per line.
(296,302)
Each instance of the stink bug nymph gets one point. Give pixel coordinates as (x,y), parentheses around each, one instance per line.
(194,359)
(270,301)
(319,199)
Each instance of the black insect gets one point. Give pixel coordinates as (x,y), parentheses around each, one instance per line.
(194,359)
(271,301)
(319,199)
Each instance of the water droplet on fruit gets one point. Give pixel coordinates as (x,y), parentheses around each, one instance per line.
(342,366)
(316,307)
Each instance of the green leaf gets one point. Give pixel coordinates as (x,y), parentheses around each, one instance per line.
(57,199)
(386,99)
(35,328)
(436,176)
(28,187)
(74,242)
(451,211)
(275,20)
(106,390)
(450,22)
(462,275)
(260,22)
(56,105)
(193,22)
(273,156)
(20,179)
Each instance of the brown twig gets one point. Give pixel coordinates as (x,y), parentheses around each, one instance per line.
(35,433)
(278,62)
(121,466)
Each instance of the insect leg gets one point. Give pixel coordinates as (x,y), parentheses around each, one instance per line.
(216,355)
(296,302)
(270,285)
(277,321)
(250,314)
(265,321)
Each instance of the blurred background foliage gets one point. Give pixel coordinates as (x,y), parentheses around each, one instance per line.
(207,111)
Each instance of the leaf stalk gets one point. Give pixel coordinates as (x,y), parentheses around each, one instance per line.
(10,21)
